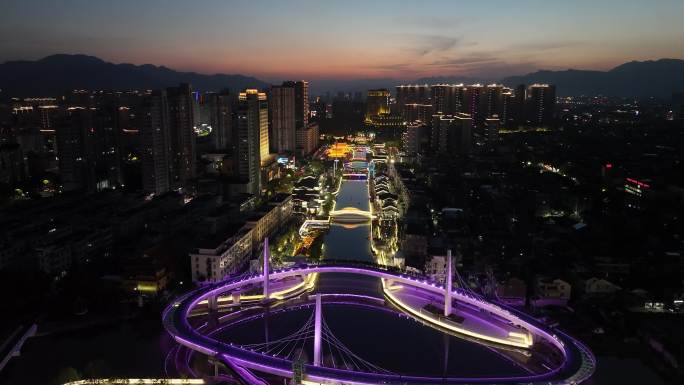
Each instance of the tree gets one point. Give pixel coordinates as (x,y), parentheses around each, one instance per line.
(67,374)
(97,369)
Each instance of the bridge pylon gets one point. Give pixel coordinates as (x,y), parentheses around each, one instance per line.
(448,285)
(318,318)
(266,269)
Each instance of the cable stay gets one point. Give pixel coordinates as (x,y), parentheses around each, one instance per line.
(293,346)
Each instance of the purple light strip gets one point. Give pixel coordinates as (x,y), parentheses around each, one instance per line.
(187,302)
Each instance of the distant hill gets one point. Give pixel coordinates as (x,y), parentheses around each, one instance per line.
(450,80)
(53,75)
(659,78)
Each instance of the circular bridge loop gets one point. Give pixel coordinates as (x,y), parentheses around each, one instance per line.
(577,363)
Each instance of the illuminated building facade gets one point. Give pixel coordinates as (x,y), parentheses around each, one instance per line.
(377,104)
(635,191)
(418,103)
(308,139)
(221,254)
(378,114)
(339,150)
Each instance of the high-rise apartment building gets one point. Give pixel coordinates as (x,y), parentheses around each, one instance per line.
(461,137)
(155,144)
(220,109)
(252,137)
(301,112)
(541,102)
(308,139)
(471,101)
(412,93)
(492,131)
(452,135)
(493,101)
(168,139)
(445,98)
(87,148)
(281,111)
(415,112)
(301,89)
(181,122)
(412,138)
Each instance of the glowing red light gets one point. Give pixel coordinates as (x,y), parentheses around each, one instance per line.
(638,183)
(609,166)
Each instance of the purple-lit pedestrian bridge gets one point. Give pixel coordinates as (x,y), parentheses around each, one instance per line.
(488,323)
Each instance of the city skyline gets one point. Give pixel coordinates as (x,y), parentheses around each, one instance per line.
(400,40)
(378,192)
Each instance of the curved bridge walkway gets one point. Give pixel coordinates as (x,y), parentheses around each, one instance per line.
(578,362)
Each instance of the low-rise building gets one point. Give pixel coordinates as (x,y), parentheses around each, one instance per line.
(145,276)
(308,139)
(436,268)
(553,289)
(599,286)
(268,218)
(512,289)
(305,195)
(221,254)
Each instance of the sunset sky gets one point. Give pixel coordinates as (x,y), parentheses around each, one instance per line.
(348,39)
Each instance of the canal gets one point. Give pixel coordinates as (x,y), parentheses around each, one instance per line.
(394,343)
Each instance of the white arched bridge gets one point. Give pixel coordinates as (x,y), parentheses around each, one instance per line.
(520,332)
(351,215)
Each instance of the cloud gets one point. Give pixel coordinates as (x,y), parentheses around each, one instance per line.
(544,45)
(422,45)
(463,61)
